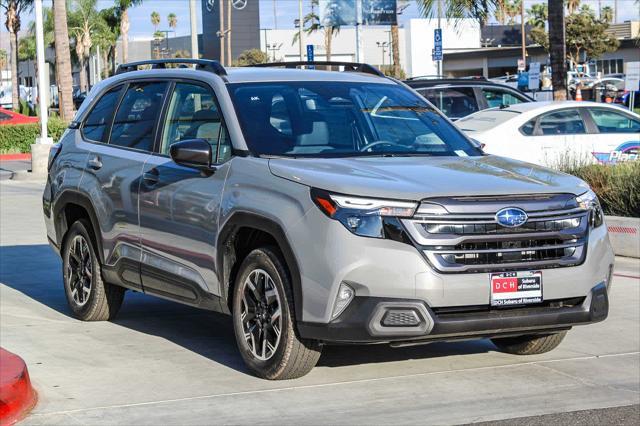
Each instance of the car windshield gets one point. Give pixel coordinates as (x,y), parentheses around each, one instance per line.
(342,119)
(485,120)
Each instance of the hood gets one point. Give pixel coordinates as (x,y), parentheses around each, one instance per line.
(416,178)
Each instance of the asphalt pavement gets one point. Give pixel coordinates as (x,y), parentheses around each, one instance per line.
(164,363)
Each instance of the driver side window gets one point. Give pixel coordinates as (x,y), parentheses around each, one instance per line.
(194,114)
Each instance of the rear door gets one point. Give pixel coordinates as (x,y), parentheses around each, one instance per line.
(454,102)
(179,206)
(615,135)
(120,145)
(557,139)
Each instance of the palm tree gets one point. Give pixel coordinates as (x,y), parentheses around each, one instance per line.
(538,14)
(63,59)
(572,6)
(606,14)
(312,21)
(500,14)
(82,22)
(123,11)
(512,10)
(155,20)
(172,20)
(557,49)
(13,9)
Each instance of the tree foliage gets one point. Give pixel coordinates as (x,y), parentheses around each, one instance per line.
(252,57)
(586,36)
(538,14)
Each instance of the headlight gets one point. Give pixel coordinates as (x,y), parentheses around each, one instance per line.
(367,217)
(589,201)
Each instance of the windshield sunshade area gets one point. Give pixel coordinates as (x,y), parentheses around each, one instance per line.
(342,119)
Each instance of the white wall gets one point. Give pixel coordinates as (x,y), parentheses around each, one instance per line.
(343,45)
(419,42)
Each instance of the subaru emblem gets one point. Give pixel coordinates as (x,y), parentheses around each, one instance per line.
(511,217)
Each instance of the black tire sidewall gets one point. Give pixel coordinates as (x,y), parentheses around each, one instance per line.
(78,228)
(267,260)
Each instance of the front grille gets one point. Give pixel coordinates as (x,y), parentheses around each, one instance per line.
(459,241)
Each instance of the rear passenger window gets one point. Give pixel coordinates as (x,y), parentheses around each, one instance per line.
(528,127)
(193,114)
(135,120)
(564,122)
(614,122)
(497,97)
(454,103)
(97,122)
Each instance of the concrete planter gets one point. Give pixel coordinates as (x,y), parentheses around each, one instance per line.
(624,233)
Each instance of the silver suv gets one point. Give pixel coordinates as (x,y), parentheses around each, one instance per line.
(316,207)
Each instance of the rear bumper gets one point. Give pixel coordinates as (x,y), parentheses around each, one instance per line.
(364,320)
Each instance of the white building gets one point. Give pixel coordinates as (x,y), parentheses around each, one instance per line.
(415,39)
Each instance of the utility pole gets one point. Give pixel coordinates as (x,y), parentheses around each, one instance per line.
(359,50)
(524,35)
(228,33)
(194,29)
(440,28)
(221,33)
(275,16)
(300,24)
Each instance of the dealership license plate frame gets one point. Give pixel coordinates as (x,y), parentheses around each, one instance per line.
(515,288)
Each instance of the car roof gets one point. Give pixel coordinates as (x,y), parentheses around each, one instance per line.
(431,82)
(552,105)
(263,74)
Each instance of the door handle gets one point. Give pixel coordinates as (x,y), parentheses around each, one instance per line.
(151,177)
(94,163)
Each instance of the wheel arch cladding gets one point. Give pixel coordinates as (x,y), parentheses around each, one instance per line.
(71,206)
(244,232)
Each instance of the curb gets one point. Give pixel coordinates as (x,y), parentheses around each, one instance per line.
(17,396)
(624,234)
(15,157)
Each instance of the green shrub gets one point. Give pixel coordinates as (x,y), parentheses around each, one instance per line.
(19,137)
(617,186)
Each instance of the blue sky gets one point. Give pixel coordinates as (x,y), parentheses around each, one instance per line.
(286,10)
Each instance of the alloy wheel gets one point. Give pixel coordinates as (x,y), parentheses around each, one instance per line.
(261,314)
(79,270)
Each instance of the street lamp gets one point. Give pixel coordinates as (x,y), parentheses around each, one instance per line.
(273,48)
(40,150)
(383,45)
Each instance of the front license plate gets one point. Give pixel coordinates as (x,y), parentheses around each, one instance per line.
(516,288)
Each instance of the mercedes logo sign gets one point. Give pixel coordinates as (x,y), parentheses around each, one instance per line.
(209,4)
(239,4)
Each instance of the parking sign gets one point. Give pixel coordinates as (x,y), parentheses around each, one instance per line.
(437,44)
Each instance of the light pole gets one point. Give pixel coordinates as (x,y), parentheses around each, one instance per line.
(300,25)
(383,45)
(273,48)
(40,149)
(194,29)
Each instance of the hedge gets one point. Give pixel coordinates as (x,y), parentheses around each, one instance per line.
(17,138)
(617,186)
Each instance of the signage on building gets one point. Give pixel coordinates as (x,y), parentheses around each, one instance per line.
(336,13)
(534,76)
(310,53)
(632,76)
(379,12)
(437,44)
(239,4)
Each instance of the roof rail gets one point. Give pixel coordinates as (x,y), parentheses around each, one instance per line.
(201,64)
(348,66)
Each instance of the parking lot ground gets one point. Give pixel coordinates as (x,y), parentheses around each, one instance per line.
(161,362)
(9,168)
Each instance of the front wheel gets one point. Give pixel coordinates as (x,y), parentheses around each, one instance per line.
(263,319)
(529,344)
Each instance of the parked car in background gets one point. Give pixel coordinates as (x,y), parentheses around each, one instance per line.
(10,117)
(459,97)
(552,133)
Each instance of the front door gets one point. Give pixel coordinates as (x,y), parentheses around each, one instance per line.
(179,206)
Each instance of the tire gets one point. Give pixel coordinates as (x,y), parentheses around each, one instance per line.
(284,355)
(88,296)
(529,344)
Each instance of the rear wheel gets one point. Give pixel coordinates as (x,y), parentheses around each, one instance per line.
(263,319)
(89,297)
(529,344)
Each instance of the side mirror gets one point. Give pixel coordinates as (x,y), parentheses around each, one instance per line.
(194,153)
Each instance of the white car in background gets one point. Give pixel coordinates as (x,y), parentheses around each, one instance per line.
(557,133)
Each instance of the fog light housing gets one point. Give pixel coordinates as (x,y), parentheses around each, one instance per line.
(344,297)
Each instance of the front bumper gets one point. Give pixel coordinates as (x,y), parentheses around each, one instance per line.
(364,320)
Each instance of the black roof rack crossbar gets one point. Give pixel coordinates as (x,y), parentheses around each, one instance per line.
(348,66)
(201,64)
